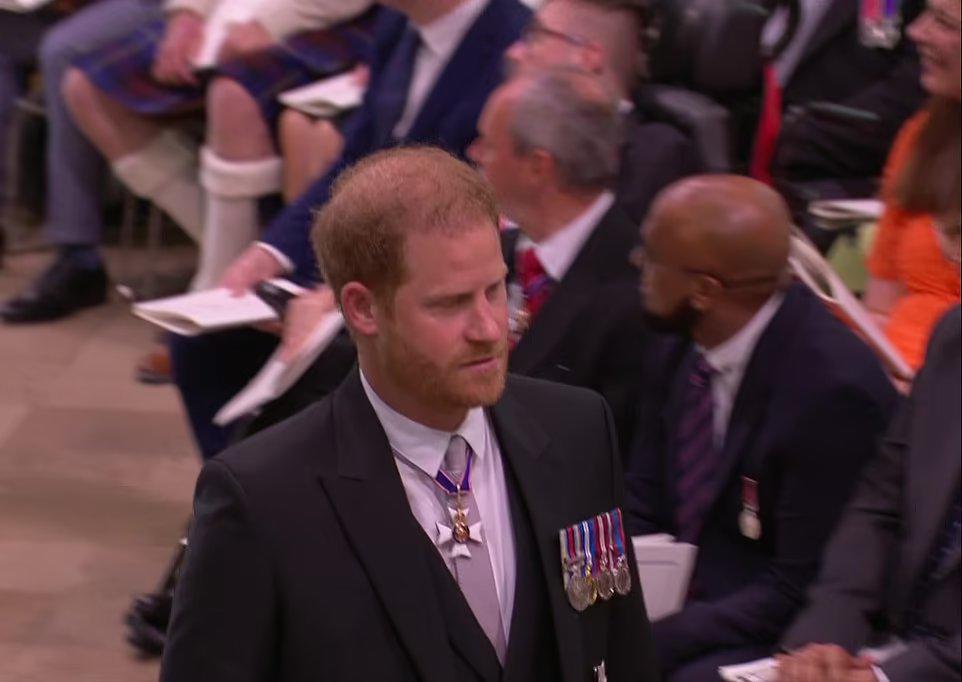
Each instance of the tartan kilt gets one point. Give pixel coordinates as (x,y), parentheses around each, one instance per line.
(122,69)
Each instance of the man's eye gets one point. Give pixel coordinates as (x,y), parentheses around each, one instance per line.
(448,303)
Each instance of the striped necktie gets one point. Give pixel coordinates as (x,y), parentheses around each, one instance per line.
(696,462)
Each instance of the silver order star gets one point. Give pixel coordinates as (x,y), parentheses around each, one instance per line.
(446,537)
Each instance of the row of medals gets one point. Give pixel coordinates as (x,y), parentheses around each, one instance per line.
(586,585)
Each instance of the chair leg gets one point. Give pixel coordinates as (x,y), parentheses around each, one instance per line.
(127,236)
(155,227)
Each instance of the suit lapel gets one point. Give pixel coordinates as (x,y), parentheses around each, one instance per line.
(369,500)
(747,415)
(530,611)
(837,18)
(523,447)
(575,290)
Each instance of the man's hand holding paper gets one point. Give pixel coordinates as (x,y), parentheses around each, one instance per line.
(304,313)
(825,663)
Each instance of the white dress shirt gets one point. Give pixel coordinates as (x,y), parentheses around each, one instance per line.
(439,40)
(729,360)
(558,252)
(419,452)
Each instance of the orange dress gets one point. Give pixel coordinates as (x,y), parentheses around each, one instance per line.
(907,251)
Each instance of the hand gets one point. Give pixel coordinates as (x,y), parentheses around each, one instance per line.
(254,265)
(361,75)
(243,39)
(182,39)
(302,316)
(824,663)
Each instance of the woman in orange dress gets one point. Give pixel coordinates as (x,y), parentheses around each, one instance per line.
(914,278)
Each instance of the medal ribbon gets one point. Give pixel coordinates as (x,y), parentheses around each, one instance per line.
(612,558)
(603,550)
(620,534)
(572,547)
(877,10)
(589,549)
(447,484)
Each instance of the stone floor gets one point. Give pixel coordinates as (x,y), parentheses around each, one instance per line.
(96,476)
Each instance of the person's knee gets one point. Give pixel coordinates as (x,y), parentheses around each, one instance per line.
(229,103)
(294,129)
(235,125)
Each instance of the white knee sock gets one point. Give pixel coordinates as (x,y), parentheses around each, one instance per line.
(165,172)
(232,189)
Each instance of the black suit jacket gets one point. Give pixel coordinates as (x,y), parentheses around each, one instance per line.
(836,67)
(653,156)
(810,407)
(306,563)
(590,332)
(876,560)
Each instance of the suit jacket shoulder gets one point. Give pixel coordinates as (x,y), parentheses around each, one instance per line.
(817,339)
(944,341)
(653,156)
(285,449)
(549,402)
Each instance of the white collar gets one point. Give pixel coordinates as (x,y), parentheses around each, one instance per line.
(443,35)
(421,445)
(558,252)
(734,353)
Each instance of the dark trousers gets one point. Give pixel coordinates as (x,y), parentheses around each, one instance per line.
(211,369)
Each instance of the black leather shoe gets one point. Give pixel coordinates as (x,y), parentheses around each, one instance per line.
(61,290)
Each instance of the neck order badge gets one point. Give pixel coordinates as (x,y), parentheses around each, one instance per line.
(461,533)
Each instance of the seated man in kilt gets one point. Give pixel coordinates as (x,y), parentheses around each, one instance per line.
(132,96)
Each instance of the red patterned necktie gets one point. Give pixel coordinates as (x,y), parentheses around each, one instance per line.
(536,284)
(769,126)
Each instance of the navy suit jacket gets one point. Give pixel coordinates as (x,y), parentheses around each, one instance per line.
(447,119)
(809,411)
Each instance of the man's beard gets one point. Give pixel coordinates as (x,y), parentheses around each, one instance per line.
(679,321)
(446,386)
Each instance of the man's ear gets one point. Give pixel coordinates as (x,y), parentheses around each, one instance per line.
(592,59)
(359,309)
(706,290)
(541,166)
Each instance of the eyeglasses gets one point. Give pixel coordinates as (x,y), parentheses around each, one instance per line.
(535,30)
(641,259)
